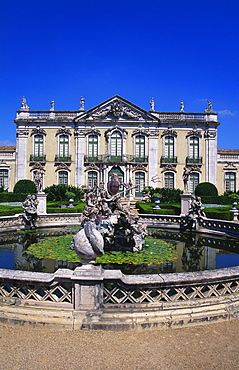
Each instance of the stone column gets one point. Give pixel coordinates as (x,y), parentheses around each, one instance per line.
(211,156)
(153,156)
(79,168)
(88,286)
(21,154)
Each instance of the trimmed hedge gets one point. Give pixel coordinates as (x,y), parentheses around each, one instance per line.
(165,209)
(25,186)
(12,197)
(206,188)
(10,211)
(53,207)
(220,199)
(219,213)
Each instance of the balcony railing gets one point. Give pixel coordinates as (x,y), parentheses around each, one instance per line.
(117,159)
(169,160)
(59,158)
(197,160)
(37,158)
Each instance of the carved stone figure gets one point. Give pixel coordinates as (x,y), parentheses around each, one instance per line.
(186,173)
(24,105)
(52,103)
(38,180)
(30,210)
(209,107)
(139,234)
(152,105)
(88,243)
(117,110)
(114,184)
(181,106)
(82,103)
(195,213)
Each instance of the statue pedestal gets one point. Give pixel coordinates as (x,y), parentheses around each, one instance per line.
(41,207)
(88,281)
(185,203)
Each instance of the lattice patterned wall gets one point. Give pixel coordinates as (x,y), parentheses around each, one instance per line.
(119,293)
(57,292)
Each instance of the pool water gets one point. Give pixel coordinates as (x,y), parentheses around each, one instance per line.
(195,252)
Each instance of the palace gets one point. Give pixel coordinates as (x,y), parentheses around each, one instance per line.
(85,147)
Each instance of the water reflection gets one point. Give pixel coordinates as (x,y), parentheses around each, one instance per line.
(196,252)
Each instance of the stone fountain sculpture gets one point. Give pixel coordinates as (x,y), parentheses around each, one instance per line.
(107,224)
(195,213)
(30,210)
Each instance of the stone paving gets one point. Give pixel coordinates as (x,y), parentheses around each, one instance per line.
(212,346)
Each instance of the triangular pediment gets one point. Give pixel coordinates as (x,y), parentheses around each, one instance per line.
(116,108)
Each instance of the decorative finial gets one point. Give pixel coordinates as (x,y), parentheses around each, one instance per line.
(52,105)
(152,104)
(181,106)
(82,103)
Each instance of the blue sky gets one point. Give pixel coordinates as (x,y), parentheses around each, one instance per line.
(171,50)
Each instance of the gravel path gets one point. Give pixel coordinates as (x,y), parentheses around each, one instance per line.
(213,346)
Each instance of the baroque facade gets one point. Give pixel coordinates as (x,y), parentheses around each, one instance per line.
(85,147)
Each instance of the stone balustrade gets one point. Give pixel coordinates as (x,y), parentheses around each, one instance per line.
(11,223)
(92,298)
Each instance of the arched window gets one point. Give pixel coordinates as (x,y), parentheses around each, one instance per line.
(93,147)
(139,148)
(230,181)
(64,146)
(169,180)
(139,183)
(38,146)
(63,177)
(116,146)
(193,181)
(169,148)
(92,179)
(4,178)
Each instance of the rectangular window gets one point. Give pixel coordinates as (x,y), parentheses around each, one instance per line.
(93,146)
(139,183)
(63,177)
(38,145)
(92,178)
(64,146)
(194,148)
(169,180)
(230,179)
(4,178)
(140,147)
(169,147)
(116,145)
(193,182)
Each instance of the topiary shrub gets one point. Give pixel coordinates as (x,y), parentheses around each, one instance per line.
(25,186)
(206,188)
